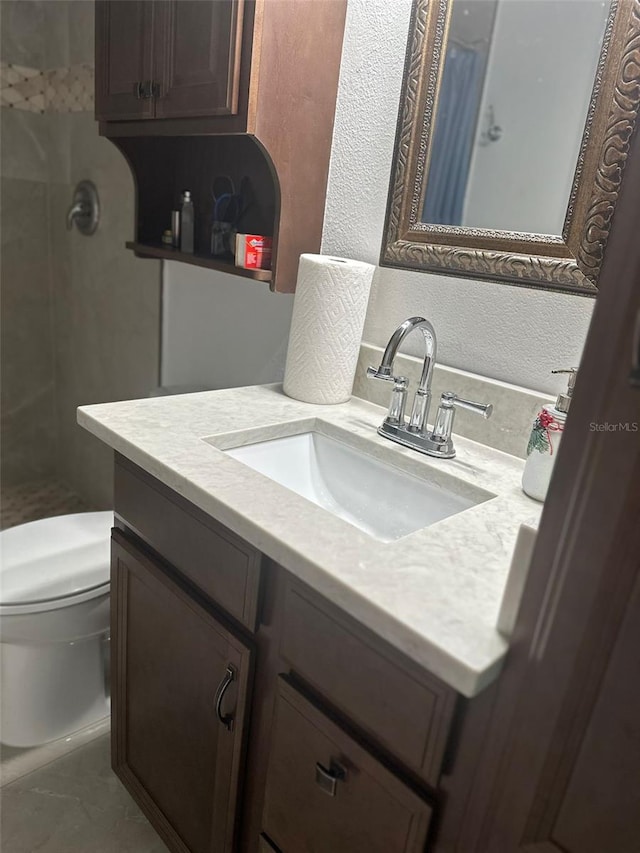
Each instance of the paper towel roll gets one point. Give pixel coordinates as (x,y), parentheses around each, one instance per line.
(326,328)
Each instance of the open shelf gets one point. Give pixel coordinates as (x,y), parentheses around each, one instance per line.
(164,166)
(198,260)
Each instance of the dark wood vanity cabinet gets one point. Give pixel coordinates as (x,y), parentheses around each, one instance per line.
(249,713)
(167,58)
(181,683)
(326,794)
(396,704)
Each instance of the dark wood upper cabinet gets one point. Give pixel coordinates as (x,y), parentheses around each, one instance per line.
(180,690)
(198,57)
(124,59)
(172,71)
(168,58)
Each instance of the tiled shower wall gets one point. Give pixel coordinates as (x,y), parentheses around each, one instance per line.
(81,315)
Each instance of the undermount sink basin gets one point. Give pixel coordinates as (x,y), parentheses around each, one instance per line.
(385,502)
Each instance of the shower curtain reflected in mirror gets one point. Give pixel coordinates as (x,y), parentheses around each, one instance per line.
(454,135)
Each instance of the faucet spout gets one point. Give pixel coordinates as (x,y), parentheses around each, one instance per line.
(395,342)
(422,397)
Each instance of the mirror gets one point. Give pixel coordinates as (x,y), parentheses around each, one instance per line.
(513,131)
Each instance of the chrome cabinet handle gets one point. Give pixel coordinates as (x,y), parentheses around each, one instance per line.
(327,780)
(143,91)
(150,89)
(228,678)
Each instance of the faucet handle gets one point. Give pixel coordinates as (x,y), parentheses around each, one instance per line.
(398,401)
(443,426)
(449,399)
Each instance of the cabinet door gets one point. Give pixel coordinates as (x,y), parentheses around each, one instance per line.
(197,57)
(326,794)
(124,57)
(179,705)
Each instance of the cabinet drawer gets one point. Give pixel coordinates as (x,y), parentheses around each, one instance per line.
(403,707)
(326,794)
(219,563)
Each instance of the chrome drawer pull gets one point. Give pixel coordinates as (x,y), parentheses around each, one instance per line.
(327,780)
(229,677)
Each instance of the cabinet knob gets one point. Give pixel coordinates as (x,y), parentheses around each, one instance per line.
(228,678)
(327,780)
(138,92)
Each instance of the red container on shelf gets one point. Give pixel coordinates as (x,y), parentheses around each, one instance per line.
(253,251)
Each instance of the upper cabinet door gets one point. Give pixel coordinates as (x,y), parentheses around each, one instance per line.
(124,59)
(197,61)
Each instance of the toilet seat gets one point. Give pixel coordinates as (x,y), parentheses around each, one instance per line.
(54,562)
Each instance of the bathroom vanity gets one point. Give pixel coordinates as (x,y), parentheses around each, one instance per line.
(282,679)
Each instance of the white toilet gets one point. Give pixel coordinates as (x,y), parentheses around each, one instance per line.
(54,627)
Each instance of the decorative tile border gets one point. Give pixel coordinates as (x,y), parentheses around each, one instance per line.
(22,88)
(60,90)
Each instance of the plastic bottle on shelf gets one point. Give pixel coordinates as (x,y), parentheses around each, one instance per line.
(186,223)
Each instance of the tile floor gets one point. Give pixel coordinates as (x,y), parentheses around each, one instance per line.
(37,499)
(74,804)
(16,762)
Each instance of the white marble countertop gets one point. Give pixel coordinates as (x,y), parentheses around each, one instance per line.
(434,594)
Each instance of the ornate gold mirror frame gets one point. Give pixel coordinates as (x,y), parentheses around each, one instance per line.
(570,263)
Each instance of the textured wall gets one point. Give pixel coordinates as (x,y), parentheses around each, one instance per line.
(514,334)
(221,331)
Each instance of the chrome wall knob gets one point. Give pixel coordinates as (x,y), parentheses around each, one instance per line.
(85,209)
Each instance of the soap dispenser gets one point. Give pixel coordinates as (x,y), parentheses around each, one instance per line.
(544,441)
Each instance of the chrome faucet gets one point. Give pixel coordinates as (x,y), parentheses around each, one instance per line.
(415,433)
(422,398)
